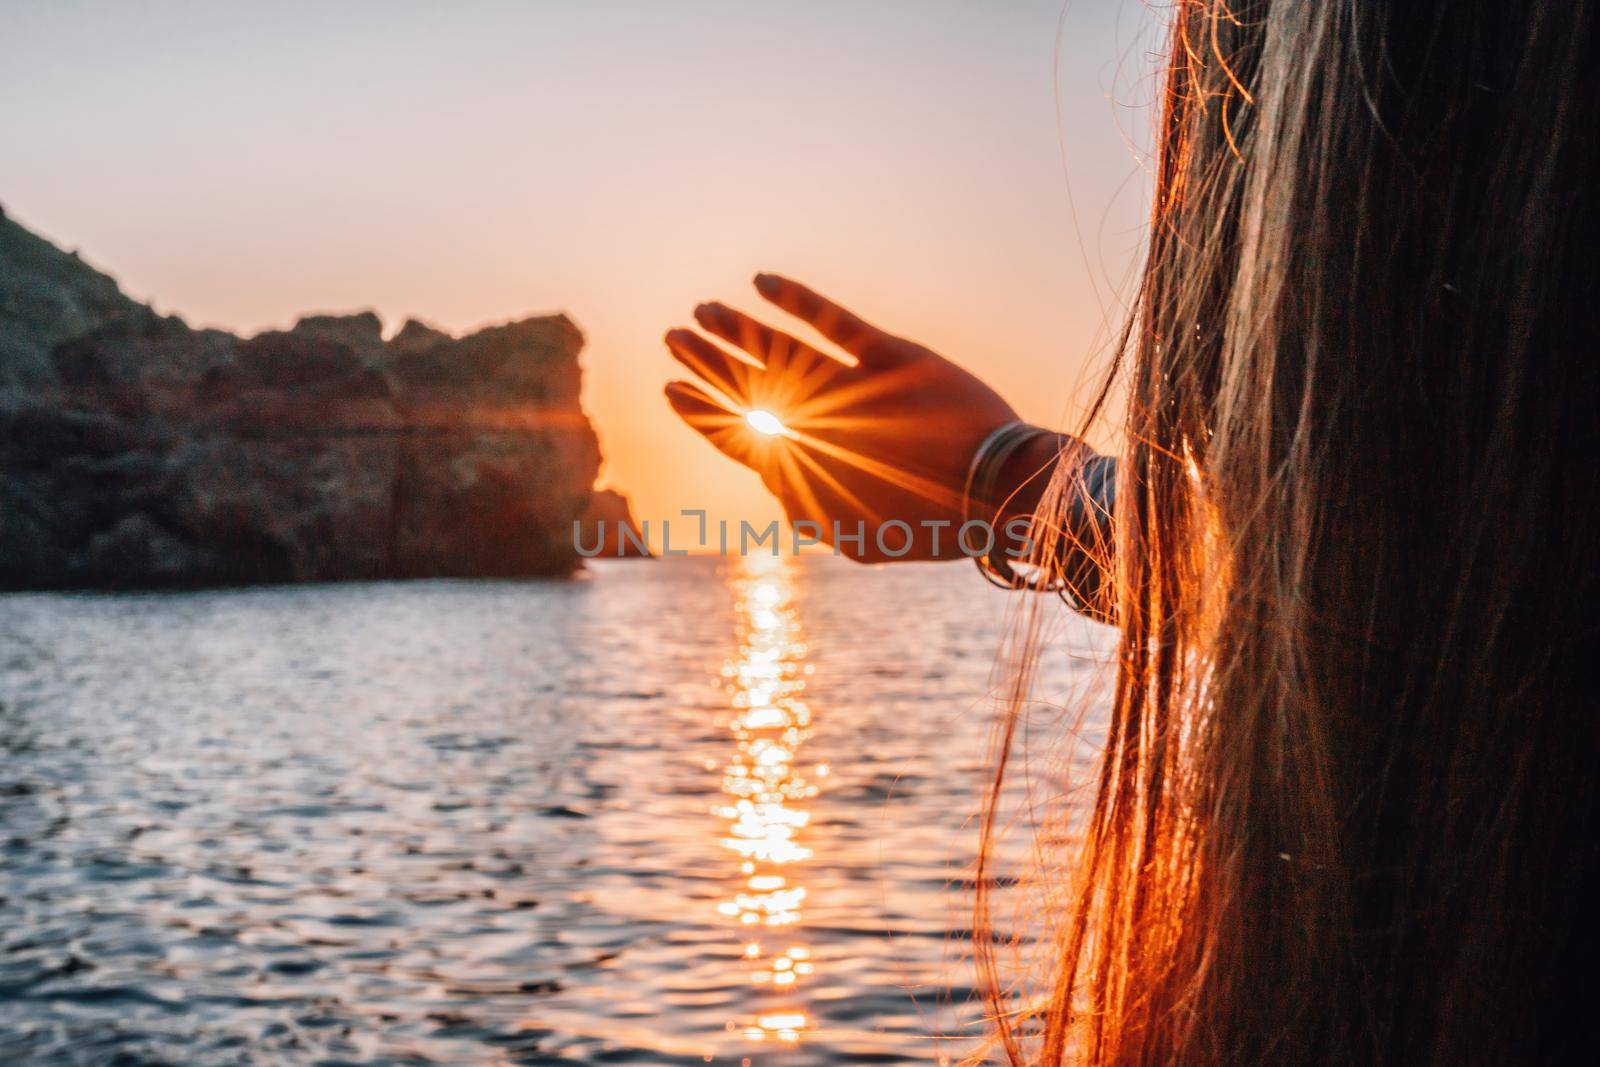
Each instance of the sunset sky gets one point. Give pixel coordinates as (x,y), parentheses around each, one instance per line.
(473,162)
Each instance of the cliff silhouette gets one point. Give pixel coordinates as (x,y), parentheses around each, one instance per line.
(136,451)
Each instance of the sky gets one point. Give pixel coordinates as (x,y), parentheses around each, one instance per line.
(974,175)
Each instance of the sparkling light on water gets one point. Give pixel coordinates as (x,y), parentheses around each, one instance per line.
(766,814)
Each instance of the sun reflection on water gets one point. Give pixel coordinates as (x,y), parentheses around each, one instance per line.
(765,812)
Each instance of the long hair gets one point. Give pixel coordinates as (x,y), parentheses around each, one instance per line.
(1347,806)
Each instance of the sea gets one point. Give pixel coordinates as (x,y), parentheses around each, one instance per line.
(681,811)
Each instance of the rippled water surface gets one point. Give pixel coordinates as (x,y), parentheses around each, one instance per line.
(685,811)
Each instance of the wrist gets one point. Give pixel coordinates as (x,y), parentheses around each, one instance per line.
(1021,480)
(1009,472)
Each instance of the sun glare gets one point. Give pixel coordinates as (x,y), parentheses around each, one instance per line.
(766,810)
(765,422)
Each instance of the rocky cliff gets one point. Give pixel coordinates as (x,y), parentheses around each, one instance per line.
(136,451)
(609,515)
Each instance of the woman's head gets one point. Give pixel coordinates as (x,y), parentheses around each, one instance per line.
(1348,808)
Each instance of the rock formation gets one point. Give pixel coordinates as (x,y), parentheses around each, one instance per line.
(609,531)
(138,452)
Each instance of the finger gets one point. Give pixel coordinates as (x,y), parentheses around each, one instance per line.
(732,376)
(857,337)
(794,368)
(712,420)
(699,409)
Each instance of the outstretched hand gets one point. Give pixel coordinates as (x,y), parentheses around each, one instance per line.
(888,437)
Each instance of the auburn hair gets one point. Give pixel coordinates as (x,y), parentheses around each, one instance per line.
(1347,806)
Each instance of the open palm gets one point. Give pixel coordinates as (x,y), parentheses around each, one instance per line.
(886,438)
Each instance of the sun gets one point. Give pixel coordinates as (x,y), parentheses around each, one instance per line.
(765,422)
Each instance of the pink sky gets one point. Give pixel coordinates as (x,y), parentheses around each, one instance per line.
(476,162)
